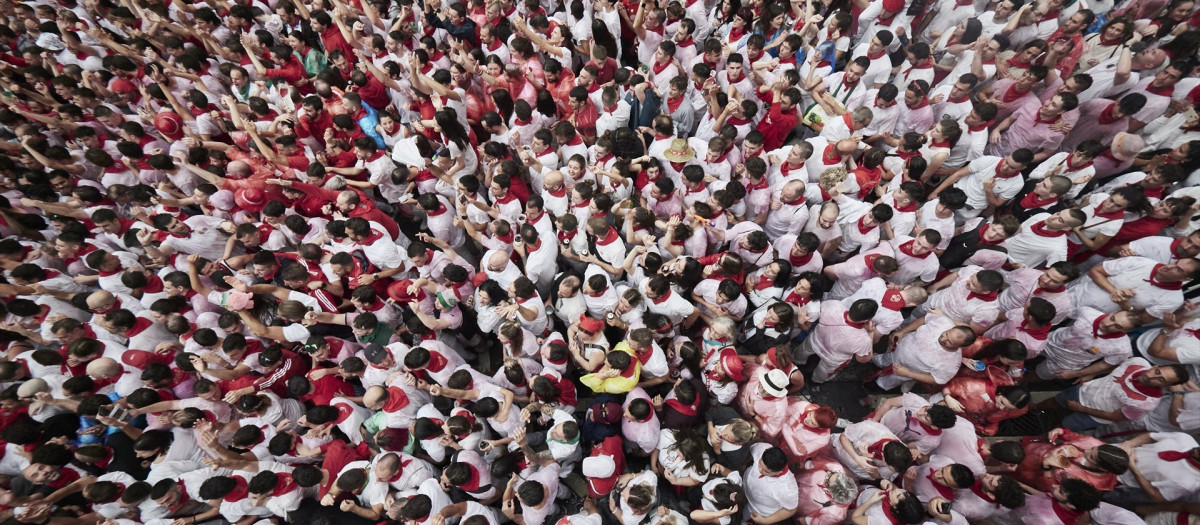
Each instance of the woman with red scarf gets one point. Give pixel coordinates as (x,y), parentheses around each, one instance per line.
(806,430)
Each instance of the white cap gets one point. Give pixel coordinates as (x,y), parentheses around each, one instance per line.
(599,466)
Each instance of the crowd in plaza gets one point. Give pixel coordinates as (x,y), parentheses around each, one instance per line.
(599,262)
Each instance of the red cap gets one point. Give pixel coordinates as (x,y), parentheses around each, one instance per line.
(398,291)
(893,6)
(121,85)
(250,199)
(732,364)
(590,325)
(169,124)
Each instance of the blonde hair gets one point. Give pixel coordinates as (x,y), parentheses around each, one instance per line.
(832,177)
(743,431)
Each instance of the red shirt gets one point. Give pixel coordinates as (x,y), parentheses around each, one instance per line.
(332,39)
(291,72)
(371,213)
(314,128)
(374,94)
(327,388)
(776,126)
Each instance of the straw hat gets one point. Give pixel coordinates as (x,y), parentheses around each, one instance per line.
(679,151)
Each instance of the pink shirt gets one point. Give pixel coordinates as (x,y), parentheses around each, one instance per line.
(1028,131)
(834,339)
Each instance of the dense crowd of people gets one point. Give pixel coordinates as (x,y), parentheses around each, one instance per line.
(599,263)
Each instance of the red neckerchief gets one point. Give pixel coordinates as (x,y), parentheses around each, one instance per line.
(762,284)
(1019,63)
(1165,286)
(1106,116)
(283,485)
(878,56)
(800,260)
(920,104)
(1012,93)
(797,300)
(830,156)
(981,127)
(661,298)
(397,399)
(909,208)
(440,210)
(989,296)
(1175,247)
(940,144)
(946,492)
(1174,455)
(1114,42)
(687,410)
(240,490)
(786,168)
(1096,329)
(437,362)
(1072,167)
(609,238)
(674,103)
(892,300)
(1133,389)
(1153,193)
(854,324)
(977,488)
(752,185)
(886,22)
(907,248)
(863,229)
(1160,91)
(876,449)
(1003,176)
(1037,333)
(1039,120)
(1059,289)
(1112,215)
(1032,201)
(1040,230)
(1066,515)
(658,69)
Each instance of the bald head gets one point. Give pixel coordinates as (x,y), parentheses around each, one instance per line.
(374,397)
(846,146)
(792,190)
(99,299)
(497,261)
(104,368)
(553,179)
(239,168)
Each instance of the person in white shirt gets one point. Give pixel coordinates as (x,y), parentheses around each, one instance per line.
(1094,344)
(841,334)
(989,182)
(871,452)
(1135,283)
(928,351)
(771,490)
(1164,466)
(1043,238)
(1130,391)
